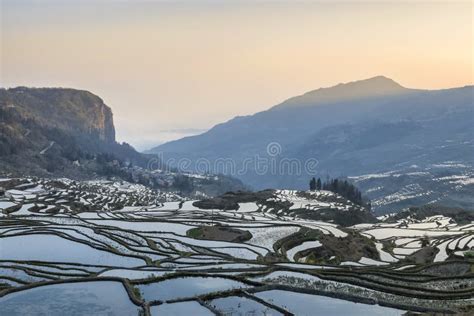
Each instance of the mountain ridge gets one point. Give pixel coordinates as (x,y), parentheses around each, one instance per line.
(249,120)
(358,89)
(288,102)
(382,132)
(284,104)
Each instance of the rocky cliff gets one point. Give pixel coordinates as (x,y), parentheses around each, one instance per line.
(61,132)
(76,111)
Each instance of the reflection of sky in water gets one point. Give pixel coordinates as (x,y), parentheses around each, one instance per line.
(56,249)
(176,228)
(186,287)
(184,308)
(306,304)
(83,298)
(236,305)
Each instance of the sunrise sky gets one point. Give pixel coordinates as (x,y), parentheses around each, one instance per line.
(169,69)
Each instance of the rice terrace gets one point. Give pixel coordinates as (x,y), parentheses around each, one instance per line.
(64,241)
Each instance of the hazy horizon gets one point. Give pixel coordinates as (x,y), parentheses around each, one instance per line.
(169,70)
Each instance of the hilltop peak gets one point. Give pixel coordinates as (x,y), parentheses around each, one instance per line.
(366,88)
(377,82)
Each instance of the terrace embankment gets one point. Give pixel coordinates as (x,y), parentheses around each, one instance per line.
(333,249)
(222,233)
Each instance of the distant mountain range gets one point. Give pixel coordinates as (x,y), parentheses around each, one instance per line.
(402,146)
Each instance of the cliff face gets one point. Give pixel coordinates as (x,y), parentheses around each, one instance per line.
(74,111)
(54,132)
(61,132)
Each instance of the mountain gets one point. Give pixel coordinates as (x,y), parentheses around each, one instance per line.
(356,129)
(66,109)
(57,132)
(379,86)
(50,130)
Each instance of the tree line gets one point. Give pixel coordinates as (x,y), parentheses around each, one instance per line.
(341,187)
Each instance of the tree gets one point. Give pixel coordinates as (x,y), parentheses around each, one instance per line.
(343,188)
(318,184)
(312,184)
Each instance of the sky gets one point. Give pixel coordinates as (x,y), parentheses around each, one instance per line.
(170,69)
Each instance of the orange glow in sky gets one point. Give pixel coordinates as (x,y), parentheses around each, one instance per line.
(165,68)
